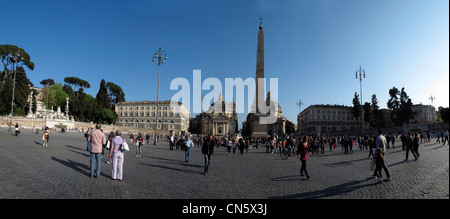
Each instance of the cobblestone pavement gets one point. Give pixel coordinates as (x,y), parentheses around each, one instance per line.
(61,170)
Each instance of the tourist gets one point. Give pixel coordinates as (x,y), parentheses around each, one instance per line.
(188,143)
(241,144)
(302,151)
(415,145)
(438,136)
(46,137)
(139,142)
(381,143)
(229,144)
(409,146)
(116,155)
(207,150)
(393,140)
(371,144)
(445,137)
(97,139)
(267,146)
(345,143)
(350,144)
(172,142)
(86,135)
(17,129)
(108,145)
(379,163)
(323,142)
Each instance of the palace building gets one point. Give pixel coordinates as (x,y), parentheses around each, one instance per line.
(142,115)
(329,120)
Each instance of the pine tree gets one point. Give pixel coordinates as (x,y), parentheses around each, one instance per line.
(102,95)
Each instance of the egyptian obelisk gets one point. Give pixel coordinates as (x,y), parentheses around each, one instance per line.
(259,94)
(258,129)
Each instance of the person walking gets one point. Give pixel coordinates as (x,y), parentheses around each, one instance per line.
(46,137)
(207,150)
(445,137)
(409,146)
(97,139)
(116,155)
(381,143)
(111,136)
(302,151)
(229,144)
(241,144)
(379,163)
(188,143)
(415,144)
(139,142)
(86,135)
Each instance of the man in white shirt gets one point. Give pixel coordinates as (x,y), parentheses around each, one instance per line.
(171,143)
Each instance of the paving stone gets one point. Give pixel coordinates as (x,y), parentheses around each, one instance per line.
(61,171)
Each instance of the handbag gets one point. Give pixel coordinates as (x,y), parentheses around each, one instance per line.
(124,146)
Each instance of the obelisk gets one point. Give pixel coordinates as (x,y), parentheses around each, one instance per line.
(258,129)
(259,94)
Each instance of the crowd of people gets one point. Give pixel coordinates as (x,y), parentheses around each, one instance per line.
(377,145)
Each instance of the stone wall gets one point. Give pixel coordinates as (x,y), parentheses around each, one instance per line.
(28,123)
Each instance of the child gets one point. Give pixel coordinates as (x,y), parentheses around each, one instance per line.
(45,137)
(379,163)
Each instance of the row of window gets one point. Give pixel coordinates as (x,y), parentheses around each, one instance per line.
(147,108)
(330,112)
(176,127)
(147,114)
(331,118)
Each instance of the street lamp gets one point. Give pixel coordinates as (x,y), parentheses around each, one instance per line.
(299,103)
(158,55)
(362,74)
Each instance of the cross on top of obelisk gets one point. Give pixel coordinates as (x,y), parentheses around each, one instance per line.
(260,22)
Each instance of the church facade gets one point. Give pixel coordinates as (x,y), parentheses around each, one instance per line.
(220,119)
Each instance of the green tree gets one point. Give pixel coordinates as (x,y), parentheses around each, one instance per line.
(356,110)
(445,114)
(102,95)
(377,115)
(400,105)
(115,94)
(5,56)
(77,84)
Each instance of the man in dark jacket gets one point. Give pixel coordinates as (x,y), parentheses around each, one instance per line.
(207,150)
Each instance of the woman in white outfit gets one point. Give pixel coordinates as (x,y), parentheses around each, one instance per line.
(116,155)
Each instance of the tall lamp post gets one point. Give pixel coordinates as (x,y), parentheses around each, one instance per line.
(299,103)
(362,74)
(15,58)
(158,56)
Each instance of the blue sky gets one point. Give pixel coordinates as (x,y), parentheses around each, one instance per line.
(312,47)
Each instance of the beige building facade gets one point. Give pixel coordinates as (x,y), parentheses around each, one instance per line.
(172,118)
(329,120)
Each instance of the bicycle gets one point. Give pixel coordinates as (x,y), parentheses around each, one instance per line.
(286,153)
